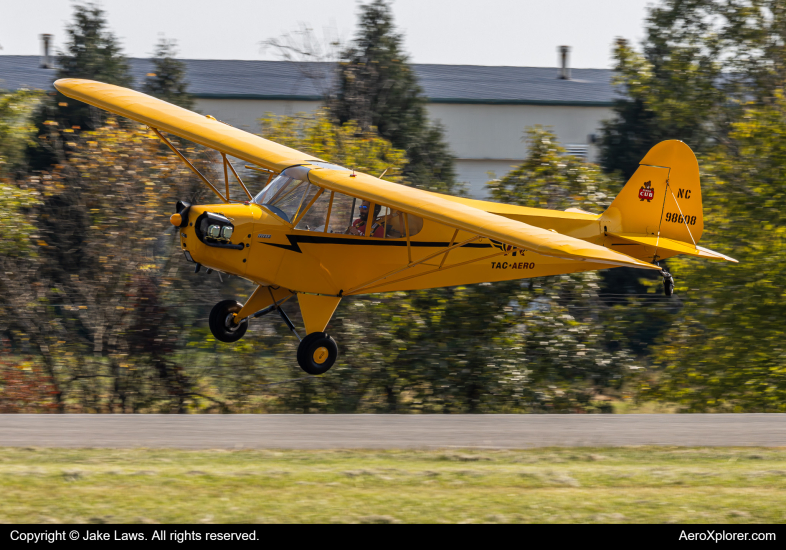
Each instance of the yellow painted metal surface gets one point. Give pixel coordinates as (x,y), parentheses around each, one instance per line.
(261,298)
(211,133)
(181,122)
(662,198)
(317,310)
(458,241)
(460,216)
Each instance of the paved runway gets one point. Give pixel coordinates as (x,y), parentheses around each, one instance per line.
(390,431)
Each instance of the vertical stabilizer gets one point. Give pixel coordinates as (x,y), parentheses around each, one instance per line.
(662,199)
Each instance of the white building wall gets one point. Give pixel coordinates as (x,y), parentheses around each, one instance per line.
(484,138)
(490,138)
(245,113)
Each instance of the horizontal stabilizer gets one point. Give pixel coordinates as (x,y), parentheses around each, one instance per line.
(672,245)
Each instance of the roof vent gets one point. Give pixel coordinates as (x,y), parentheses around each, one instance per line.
(46,61)
(564,72)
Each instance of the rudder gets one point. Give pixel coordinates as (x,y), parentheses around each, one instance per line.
(662,198)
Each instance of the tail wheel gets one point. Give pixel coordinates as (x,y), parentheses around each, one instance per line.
(222,322)
(317,353)
(668,285)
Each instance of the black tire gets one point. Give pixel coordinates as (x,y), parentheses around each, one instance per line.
(317,353)
(668,286)
(220,321)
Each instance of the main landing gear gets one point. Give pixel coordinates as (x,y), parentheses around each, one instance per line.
(316,353)
(222,321)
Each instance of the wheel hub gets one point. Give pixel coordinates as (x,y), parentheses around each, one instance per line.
(229,322)
(320,355)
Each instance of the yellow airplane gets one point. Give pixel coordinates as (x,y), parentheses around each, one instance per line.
(322,232)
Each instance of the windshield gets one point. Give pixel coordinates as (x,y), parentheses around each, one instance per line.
(284,196)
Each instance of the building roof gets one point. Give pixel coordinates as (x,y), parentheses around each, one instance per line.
(233,79)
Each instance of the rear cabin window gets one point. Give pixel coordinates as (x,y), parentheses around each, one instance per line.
(349,215)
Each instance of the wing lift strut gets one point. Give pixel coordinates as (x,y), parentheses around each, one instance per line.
(384,280)
(276,305)
(227,165)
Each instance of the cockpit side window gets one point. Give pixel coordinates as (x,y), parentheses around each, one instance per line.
(353,216)
(345,210)
(313,209)
(314,218)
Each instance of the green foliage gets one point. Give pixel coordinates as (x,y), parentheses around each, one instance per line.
(92,51)
(347,145)
(701,61)
(15,222)
(710,74)
(726,352)
(16,128)
(168,79)
(549,178)
(378,89)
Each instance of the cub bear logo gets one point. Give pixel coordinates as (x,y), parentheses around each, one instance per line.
(646,192)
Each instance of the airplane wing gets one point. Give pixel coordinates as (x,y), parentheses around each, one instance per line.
(257,150)
(183,123)
(431,206)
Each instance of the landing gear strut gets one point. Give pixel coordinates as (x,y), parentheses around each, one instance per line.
(316,353)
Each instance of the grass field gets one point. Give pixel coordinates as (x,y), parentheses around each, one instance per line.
(644,484)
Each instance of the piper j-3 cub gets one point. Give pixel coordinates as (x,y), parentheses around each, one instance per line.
(321,232)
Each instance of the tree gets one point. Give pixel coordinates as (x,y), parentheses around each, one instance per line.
(549,178)
(16,128)
(347,145)
(504,347)
(92,52)
(98,298)
(725,354)
(711,74)
(701,61)
(377,88)
(167,81)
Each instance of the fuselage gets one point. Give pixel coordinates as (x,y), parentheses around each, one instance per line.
(275,253)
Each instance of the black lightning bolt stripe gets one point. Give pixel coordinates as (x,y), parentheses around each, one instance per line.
(295,240)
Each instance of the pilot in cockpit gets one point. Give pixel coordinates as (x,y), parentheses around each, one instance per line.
(358,227)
